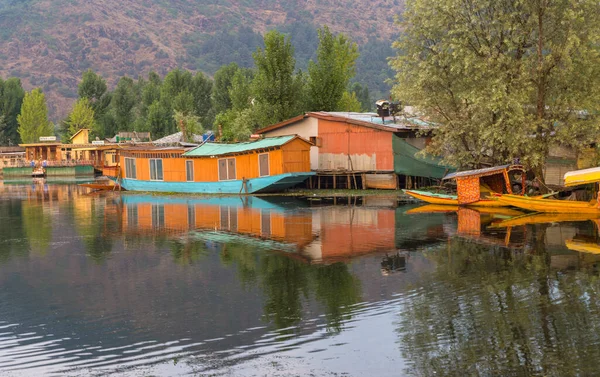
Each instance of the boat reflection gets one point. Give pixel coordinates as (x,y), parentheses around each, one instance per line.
(321,235)
(476,224)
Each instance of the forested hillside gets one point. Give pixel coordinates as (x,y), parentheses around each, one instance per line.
(50,43)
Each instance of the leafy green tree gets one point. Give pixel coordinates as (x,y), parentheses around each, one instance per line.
(175,82)
(363,96)
(184,103)
(275,88)
(93,87)
(222,83)
(330,75)
(240,91)
(201,90)
(159,120)
(11,99)
(503,79)
(349,102)
(123,102)
(189,124)
(82,116)
(33,119)
(237,126)
(238,122)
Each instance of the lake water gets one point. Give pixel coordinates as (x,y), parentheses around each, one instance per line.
(127,284)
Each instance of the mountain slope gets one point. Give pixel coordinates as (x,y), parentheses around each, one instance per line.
(49,43)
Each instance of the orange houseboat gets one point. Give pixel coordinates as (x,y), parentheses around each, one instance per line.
(267,165)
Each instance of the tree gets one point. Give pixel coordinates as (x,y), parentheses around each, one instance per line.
(11,98)
(93,87)
(363,96)
(159,120)
(330,75)
(82,116)
(502,79)
(201,90)
(33,119)
(238,122)
(349,102)
(220,90)
(189,125)
(275,88)
(123,102)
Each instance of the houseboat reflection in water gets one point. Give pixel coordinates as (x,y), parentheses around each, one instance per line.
(321,235)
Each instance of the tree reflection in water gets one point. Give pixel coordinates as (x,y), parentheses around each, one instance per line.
(289,283)
(493,311)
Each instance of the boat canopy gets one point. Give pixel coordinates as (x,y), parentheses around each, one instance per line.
(581,177)
(484,172)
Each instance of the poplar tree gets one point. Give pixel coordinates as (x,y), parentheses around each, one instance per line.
(275,88)
(330,75)
(11,99)
(33,119)
(82,116)
(503,79)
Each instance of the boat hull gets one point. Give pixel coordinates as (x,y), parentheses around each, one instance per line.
(549,205)
(270,184)
(451,200)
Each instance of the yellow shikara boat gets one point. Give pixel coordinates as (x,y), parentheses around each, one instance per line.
(450,200)
(494,211)
(544,218)
(582,246)
(475,187)
(573,178)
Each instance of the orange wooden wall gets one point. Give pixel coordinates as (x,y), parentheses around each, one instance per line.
(341,240)
(344,138)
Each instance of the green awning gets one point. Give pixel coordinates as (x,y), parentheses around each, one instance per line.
(407,162)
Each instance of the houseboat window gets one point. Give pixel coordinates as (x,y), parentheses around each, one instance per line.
(132,216)
(130,171)
(156,169)
(191,217)
(189,171)
(226,169)
(158,216)
(263,164)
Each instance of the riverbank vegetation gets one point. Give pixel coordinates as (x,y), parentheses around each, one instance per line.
(504,80)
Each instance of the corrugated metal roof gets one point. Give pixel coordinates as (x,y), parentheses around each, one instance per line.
(216,149)
(483,172)
(400,122)
(372,120)
(176,138)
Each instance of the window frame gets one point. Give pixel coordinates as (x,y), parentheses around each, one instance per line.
(187,172)
(133,162)
(227,159)
(268,165)
(162,172)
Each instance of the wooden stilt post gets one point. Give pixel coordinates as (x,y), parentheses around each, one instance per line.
(348,181)
(363,176)
(334,181)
